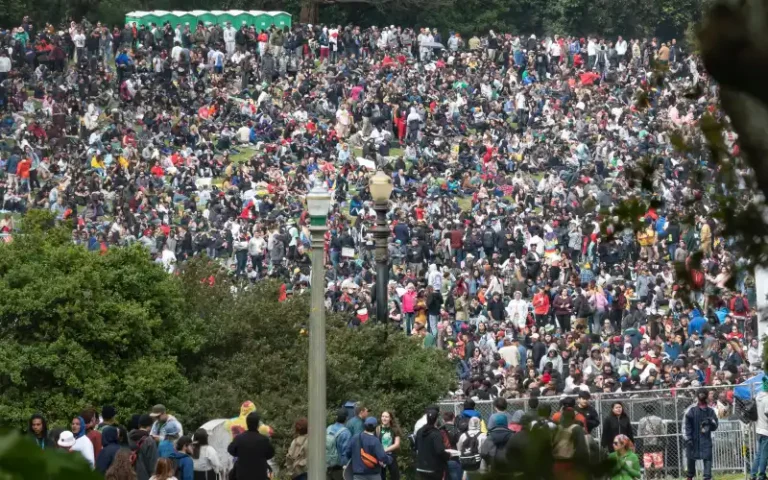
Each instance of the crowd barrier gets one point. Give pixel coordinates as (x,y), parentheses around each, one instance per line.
(734,441)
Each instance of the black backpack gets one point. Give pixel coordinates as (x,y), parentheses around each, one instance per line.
(750,410)
(738,305)
(488,239)
(469,457)
(462,424)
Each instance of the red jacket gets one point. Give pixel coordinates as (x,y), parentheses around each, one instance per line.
(457,239)
(541,303)
(732,305)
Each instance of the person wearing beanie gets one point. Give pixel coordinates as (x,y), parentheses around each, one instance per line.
(140,442)
(589,413)
(699,421)
(493,448)
(569,404)
(337,458)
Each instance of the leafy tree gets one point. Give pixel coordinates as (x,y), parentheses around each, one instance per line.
(665,18)
(257,349)
(78,328)
(21,459)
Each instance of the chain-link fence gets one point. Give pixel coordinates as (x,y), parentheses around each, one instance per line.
(656,417)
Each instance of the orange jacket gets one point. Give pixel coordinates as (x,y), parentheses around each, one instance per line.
(22,169)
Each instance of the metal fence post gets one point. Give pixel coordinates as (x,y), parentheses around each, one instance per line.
(678,435)
(734,443)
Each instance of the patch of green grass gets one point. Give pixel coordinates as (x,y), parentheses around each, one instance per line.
(465,203)
(729,476)
(393,151)
(245,154)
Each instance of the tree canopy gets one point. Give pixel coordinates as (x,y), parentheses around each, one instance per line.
(81,329)
(665,18)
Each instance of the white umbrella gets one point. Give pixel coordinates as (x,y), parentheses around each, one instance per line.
(433,45)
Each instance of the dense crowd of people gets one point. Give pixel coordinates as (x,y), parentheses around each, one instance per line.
(508,153)
(545,439)
(154,447)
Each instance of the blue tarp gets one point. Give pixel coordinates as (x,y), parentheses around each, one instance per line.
(744,390)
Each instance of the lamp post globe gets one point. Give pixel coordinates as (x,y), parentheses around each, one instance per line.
(381,187)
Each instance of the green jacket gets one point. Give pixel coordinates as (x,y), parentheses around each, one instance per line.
(22,37)
(627,466)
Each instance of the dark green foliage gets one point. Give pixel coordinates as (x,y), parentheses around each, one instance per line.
(665,18)
(21,459)
(257,349)
(80,329)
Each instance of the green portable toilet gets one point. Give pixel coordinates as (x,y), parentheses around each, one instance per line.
(227,16)
(208,17)
(281,19)
(148,18)
(198,15)
(260,19)
(162,16)
(182,18)
(140,18)
(216,17)
(239,17)
(132,17)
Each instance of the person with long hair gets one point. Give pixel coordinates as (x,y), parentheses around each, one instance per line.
(390,434)
(164,470)
(204,457)
(121,468)
(617,423)
(627,465)
(296,459)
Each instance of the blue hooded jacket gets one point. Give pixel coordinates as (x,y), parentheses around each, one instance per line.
(186,468)
(721,313)
(165,449)
(110,447)
(697,322)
